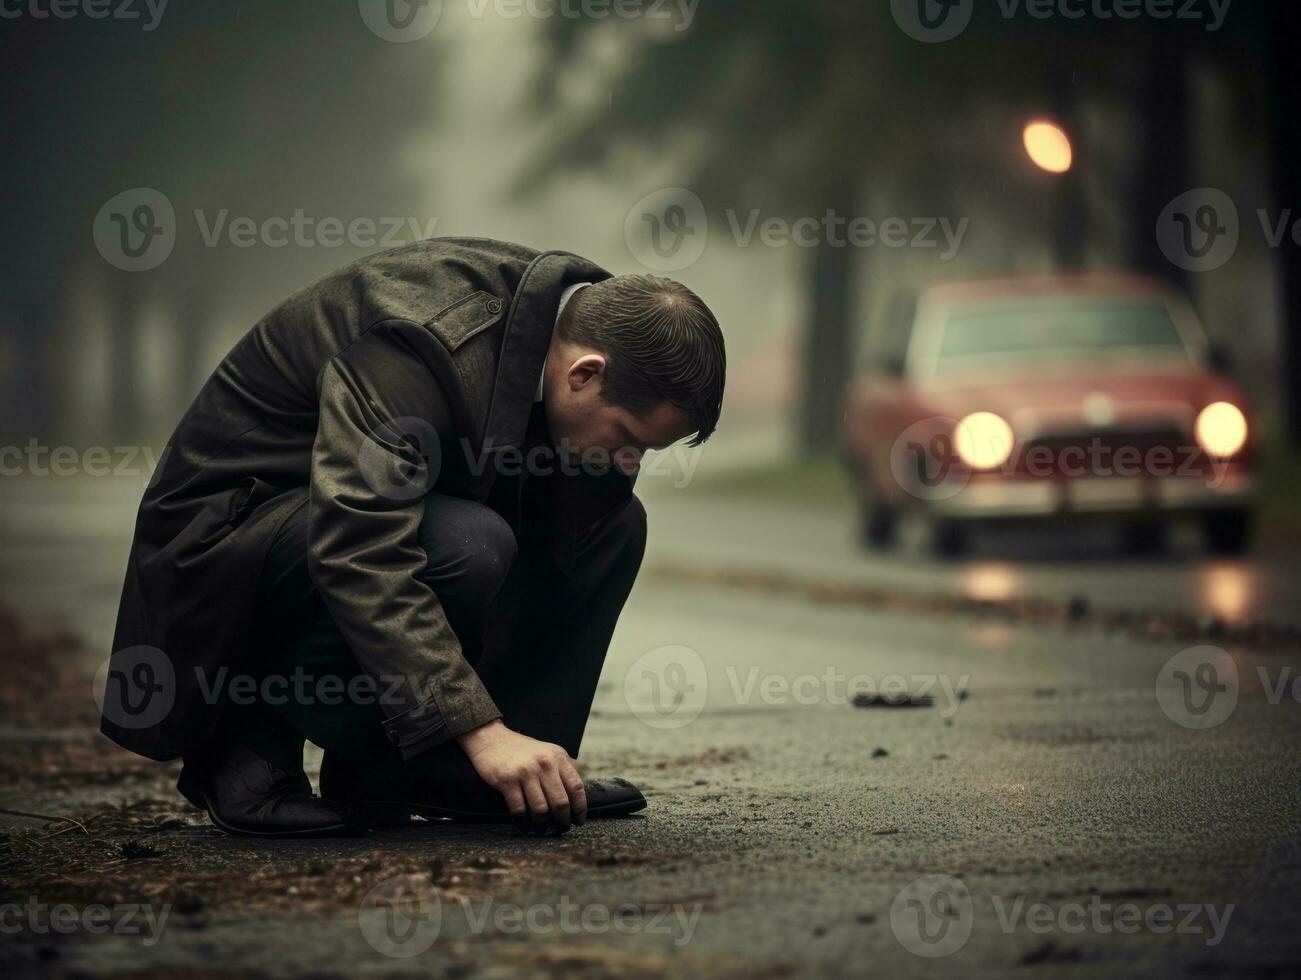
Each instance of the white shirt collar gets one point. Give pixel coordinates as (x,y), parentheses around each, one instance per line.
(565,297)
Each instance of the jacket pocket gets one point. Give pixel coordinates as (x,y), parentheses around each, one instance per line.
(457,323)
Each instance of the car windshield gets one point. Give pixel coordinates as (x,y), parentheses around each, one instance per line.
(1055,327)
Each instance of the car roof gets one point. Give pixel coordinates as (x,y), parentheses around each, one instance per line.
(1082,284)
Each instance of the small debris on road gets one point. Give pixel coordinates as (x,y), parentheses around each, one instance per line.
(873,700)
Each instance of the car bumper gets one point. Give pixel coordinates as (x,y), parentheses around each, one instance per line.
(1097,496)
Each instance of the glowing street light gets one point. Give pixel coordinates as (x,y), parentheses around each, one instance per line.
(1048,146)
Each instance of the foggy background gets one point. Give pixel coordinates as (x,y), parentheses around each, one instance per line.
(550,130)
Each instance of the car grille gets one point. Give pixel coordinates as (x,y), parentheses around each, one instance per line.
(1064,451)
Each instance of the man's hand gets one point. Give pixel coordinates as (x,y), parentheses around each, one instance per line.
(537,779)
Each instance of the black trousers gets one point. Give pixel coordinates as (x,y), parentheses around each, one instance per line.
(536,630)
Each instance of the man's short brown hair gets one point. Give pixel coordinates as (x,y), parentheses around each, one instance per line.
(660,341)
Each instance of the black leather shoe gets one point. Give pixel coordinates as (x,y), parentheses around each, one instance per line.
(613,797)
(464,802)
(248,795)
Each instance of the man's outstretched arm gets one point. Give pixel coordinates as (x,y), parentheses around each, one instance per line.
(381,415)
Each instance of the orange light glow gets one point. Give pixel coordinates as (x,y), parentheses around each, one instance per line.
(1049,147)
(1229,591)
(990,582)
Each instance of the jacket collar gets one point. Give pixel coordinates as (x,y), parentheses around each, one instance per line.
(525,340)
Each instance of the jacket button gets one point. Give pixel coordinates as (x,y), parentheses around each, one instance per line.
(494,306)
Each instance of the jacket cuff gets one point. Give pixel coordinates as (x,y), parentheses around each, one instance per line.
(425,726)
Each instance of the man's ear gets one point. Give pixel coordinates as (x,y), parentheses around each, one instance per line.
(585,370)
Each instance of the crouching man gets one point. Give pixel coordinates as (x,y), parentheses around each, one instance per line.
(398,522)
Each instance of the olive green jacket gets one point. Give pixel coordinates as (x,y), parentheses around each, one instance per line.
(408,371)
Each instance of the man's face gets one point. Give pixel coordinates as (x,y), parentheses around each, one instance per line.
(593,431)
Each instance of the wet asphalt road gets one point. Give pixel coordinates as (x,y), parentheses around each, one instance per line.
(1052,811)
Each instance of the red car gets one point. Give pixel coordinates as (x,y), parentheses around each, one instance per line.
(1083,395)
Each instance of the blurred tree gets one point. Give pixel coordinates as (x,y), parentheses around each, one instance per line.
(799,107)
(251,109)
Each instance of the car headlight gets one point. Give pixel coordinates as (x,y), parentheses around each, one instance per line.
(983,441)
(1221,429)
